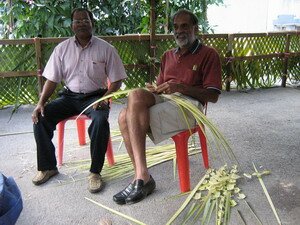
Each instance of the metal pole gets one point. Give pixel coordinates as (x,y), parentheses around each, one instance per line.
(152,41)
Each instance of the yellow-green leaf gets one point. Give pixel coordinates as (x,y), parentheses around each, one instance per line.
(241,196)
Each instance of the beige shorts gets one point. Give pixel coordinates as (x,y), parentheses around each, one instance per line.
(166,119)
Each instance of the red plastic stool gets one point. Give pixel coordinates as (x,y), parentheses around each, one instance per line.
(182,156)
(81,137)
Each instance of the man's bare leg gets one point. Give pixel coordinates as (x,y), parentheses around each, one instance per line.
(125,134)
(138,118)
(134,123)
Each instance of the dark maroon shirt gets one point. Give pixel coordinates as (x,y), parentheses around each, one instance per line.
(199,67)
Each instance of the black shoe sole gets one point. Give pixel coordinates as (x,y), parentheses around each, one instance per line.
(138,200)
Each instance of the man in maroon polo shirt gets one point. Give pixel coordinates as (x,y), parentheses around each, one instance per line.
(192,70)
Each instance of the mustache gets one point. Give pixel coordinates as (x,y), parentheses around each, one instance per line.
(177,35)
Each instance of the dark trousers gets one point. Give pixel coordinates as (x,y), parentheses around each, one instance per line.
(67,105)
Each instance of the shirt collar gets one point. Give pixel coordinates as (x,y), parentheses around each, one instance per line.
(77,43)
(194,47)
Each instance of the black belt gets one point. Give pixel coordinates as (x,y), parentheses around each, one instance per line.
(67,92)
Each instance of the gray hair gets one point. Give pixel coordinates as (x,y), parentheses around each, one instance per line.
(193,17)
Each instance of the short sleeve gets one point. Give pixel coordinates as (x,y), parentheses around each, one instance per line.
(53,69)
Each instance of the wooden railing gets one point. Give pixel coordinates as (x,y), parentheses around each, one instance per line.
(248,60)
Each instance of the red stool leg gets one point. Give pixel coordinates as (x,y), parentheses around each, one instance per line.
(60,135)
(203,146)
(81,131)
(81,137)
(181,145)
(109,153)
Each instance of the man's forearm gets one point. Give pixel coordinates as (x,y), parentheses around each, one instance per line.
(48,90)
(114,87)
(201,94)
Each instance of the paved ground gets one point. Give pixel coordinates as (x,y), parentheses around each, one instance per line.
(263,126)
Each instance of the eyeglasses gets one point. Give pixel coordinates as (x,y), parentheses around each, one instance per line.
(84,21)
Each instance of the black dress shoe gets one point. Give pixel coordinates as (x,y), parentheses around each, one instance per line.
(140,190)
(120,197)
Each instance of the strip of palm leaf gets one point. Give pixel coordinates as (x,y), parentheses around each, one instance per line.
(123,167)
(201,119)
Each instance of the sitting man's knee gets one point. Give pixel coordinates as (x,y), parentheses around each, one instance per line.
(140,96)
(136,93)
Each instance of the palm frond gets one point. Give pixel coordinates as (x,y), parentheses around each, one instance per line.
(185,105)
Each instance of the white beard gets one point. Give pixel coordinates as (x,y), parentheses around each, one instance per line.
(182,43)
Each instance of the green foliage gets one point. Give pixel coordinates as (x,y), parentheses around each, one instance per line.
(120,16)
(199,7)
(45,18)
(38,19)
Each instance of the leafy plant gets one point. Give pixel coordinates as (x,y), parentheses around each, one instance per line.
(215,192)
(45,18)
(40,18)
